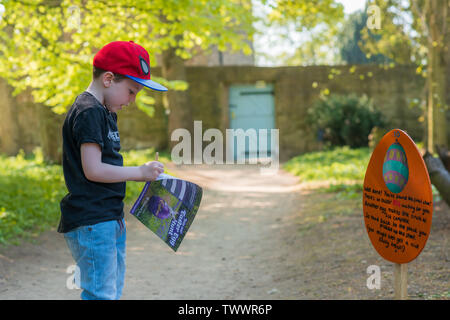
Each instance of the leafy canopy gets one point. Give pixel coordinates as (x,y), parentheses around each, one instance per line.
(406,30)
(310,26)
(48,45)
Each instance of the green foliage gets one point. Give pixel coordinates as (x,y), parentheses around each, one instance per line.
(393,39)
(321,48)
(309,26)
(407,30)
(306,14)
(48,45)
(350,41)
(31,190)
(345,120)
(338,170)
(417,32)
(337,165)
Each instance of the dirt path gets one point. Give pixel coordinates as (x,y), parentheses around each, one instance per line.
(254,237)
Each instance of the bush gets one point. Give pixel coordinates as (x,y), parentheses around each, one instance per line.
(345,120)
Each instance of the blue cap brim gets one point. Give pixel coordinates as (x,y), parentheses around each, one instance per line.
(148,83)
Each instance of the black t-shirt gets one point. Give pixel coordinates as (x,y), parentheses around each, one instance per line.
(90,202)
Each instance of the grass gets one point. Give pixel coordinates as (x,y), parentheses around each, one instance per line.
(30,192)
(29,196)
(338,170)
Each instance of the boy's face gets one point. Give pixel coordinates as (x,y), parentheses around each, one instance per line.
(119,94)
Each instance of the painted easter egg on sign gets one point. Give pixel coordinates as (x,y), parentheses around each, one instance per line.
(395,168)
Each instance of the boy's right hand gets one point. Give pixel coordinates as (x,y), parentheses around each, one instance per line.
(151,170)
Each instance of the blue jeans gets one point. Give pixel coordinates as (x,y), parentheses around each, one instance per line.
(99,251)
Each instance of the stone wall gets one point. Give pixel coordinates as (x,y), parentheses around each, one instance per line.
(295,90)
(392,91)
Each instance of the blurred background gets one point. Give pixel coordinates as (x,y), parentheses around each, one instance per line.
(332,75)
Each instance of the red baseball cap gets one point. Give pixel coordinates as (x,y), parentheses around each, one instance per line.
(127,58)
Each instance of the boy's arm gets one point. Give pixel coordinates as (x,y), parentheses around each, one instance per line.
(95,170)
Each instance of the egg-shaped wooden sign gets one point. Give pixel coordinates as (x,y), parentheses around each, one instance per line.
(397,198)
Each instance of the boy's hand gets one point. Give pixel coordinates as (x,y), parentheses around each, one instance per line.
(151,170)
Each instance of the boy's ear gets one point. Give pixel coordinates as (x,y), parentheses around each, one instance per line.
(107,78)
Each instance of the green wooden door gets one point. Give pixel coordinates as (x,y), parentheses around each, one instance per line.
(252,108)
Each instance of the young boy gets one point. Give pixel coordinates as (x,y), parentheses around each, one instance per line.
(92,217)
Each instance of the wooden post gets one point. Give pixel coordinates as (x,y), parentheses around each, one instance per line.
(401,281)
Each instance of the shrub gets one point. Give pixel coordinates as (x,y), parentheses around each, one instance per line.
(345,120)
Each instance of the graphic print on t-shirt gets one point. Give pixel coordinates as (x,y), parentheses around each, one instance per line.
(114,136)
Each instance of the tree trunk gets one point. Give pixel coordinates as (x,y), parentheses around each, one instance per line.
(177,102)
(50,125)
(436,78)
(439,176)
(444,155)
(430,103)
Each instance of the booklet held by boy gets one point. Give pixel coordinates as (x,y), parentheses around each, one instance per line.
(167,206)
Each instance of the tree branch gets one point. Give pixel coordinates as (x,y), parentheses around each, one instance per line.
(439,176)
